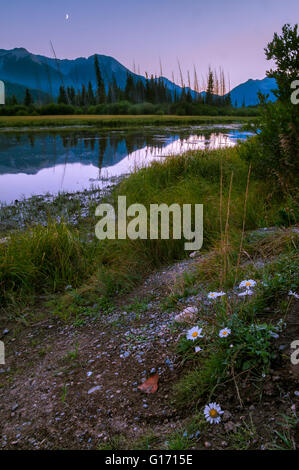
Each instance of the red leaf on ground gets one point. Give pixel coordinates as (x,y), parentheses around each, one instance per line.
(150,385)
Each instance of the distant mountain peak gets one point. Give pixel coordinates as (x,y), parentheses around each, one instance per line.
(20,52)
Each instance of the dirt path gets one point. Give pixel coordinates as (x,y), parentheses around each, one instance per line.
(67,387)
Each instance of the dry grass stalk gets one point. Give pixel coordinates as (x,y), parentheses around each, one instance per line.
(244,220)
(220,213)
(226,232)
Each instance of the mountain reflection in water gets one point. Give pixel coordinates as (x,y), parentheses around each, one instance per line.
(40,163)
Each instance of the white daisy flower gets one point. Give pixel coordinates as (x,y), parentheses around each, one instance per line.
(197,349)
(214,295)
(212,413)
(247,284)
(194,333)
(294,294)
(246,292)
(224,332)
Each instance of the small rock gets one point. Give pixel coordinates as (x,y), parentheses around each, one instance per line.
(230,426)
(207,444)
(226,415)
(94,389)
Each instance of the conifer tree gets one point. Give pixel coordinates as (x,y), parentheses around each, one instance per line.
(210,89)
(115,91)
(83,100)
(28,98)
(72,96)
(183,95)
(13,100)
(109,95)
(130,88)
(100,93)
(62,98)
(90,95)
(189,96)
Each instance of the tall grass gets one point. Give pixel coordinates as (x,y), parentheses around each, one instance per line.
(42,259)
(46,259)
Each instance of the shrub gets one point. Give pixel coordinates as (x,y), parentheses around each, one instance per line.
(274,152)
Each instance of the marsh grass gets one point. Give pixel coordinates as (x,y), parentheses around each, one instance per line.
(42,259)
(46,259)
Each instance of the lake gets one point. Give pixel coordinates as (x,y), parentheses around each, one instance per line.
(50,162)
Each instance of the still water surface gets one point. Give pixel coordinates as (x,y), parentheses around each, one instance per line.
(36,164)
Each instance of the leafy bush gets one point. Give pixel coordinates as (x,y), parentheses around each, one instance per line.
(274,152)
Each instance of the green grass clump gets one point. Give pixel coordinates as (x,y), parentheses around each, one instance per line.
(42,259)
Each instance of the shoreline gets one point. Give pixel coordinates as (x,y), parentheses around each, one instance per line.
(105,122)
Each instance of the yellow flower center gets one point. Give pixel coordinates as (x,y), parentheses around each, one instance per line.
(194,334)
(248,284)
(212,295)
(213,413)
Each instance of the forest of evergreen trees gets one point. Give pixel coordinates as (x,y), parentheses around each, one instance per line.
(140,96)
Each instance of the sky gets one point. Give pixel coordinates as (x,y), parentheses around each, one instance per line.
(230,34)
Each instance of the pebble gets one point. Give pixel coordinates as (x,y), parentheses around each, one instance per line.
(94,389)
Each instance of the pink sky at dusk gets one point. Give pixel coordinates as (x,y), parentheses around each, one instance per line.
(231,34)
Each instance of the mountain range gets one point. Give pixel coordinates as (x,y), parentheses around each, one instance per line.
(20,69)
